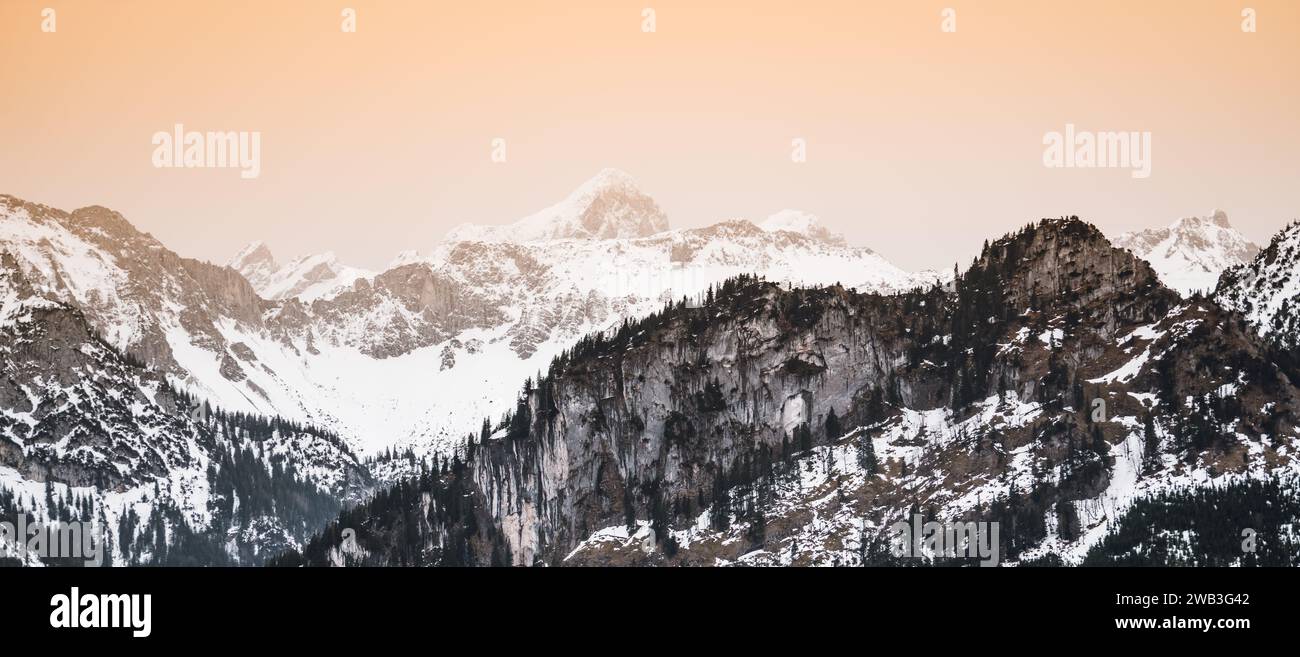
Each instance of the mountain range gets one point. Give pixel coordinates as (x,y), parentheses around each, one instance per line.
(1057,387)
(492,305)
(166,396)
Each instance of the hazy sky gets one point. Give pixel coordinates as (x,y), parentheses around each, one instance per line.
(920,143)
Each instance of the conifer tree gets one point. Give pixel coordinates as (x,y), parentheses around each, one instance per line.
(867,453)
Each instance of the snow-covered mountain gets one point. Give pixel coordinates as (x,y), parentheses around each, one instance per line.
(1190,253)
(665,409)
(89,433)
(522,293)
(1267,289)
(420,353)
(609,206)
(306,278)
(802,223)
(1057,388)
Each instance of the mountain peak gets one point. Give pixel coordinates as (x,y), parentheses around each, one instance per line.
(803,223)
(256,264)
(609,205)
(306,277)
(1190,253)
(255,253)
(608,177)
(1216,218)
(1061,263)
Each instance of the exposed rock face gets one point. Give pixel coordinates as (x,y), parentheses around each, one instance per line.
(448,354)
(690,424)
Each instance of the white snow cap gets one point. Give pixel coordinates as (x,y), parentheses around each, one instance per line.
(1191,253)
(804,223)
(1216,217)
(607,206)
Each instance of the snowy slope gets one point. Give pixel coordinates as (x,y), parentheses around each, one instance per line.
(1190,253)
(1267,289)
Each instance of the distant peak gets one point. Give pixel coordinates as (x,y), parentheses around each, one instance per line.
(1216,217)
(256,246)
(1190,253)
(803,223)
(254,254)
(608,205)
(606,181)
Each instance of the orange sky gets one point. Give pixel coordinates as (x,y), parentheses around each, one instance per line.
(920,143)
